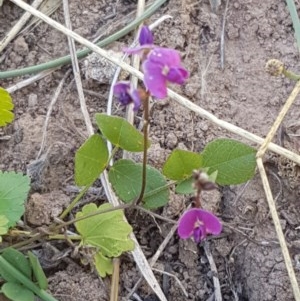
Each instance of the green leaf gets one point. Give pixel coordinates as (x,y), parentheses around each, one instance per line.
(38,271)
(121,133)
(6,106)
(126,178)
(14,188)
(234,161)
(90,160)
(108,231)
(295,19)
(17,292)
(104,265)
(180,164)
(185,187)
(19,261)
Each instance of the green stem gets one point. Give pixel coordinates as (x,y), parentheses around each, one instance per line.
(290,74)
(62,236)
(145,132)
(54,228)
(75,201)
(83,53)
(20,277)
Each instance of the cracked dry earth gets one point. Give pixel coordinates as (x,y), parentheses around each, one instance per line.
(247,255)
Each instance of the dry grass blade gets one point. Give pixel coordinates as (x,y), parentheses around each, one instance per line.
(279,232)
(47,8)
(76,71)
(18,26)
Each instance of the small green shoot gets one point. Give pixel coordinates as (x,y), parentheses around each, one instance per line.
(6,107)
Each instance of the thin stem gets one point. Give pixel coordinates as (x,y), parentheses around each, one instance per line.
(114,292)
(64,224)
(145,131)
(74,202)
(290,74)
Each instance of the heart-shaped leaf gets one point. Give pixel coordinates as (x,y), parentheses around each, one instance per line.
(234,161)
(121,133)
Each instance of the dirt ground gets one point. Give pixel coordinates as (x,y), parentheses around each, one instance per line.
(247,255)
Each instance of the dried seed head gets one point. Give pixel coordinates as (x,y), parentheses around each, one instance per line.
(274,67)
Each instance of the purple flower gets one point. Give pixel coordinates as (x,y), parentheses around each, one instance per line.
(163,65)
(145,37)
(126,94)
(198,223)
(145,40)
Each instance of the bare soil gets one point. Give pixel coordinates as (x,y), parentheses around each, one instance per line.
(247,255)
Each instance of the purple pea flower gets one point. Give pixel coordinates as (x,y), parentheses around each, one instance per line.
(126,94)
(198,223)
(163,65)
(145,40)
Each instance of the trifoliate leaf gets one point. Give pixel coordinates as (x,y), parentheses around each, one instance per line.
(17,292)
(14,188)
(38,271)
(90,160)
(108,231)
(104,265)
(6,106)
(234,161)
(121,133)
(126,178)
(181,163)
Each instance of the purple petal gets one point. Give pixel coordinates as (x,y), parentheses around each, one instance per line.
(210,221)
(146,36)
(121,87)
(186,224)
(177,75)
(136,99)
(165,56)
(199,233)
(154,80)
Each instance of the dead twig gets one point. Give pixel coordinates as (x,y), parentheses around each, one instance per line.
(223,36)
